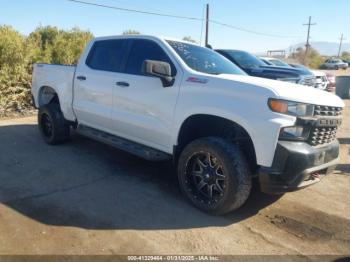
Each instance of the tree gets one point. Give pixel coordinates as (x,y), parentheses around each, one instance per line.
(345,55)
(59,46)
(15,58)
(313,59)
(131,32)
(43,38)
(18,53)
(189,39)
(69,45)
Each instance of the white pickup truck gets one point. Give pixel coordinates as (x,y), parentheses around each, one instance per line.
(164,99)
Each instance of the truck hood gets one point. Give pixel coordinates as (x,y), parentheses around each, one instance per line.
(290,91)
(318,73)
(280,69)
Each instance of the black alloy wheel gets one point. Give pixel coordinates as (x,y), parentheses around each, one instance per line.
(214,175)
(205,177)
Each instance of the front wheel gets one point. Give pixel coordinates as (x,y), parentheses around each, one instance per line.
(214,175)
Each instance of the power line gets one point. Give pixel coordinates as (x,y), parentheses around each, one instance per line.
(250,31)
(135,10)
(180,17)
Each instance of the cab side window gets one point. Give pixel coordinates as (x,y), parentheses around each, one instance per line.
(142,50)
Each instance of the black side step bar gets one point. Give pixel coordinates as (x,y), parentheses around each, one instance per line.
(139,150)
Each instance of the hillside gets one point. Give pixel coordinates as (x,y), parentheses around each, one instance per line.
(324,48)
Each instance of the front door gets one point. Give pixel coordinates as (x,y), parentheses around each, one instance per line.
(142,108)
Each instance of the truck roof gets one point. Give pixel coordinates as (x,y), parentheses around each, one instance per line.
(151,37)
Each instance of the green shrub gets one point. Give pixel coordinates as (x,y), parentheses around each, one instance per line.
(345,55)
(18,53)
(15,67)
(313,59)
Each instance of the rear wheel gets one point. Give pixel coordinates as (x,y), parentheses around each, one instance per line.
(53,127)
(214,175)
(336,67)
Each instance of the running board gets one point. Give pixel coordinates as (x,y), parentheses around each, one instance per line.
(139,150)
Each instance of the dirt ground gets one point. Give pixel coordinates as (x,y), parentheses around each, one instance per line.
(88,198)
(339,72)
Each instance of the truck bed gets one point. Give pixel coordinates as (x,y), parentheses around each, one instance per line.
(59,76)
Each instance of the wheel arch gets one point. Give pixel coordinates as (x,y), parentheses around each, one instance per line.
(202,125)
(47,95)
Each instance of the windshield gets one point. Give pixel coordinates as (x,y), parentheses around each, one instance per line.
(244,59)
(277,62)
(266,62)
(204,60)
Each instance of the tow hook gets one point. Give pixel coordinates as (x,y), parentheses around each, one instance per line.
(313,176)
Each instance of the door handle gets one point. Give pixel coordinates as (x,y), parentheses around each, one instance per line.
(81,78)
(123,84)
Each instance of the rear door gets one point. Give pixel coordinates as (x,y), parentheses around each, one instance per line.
(142,108)
(95,80)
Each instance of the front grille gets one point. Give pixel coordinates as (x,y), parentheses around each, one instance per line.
(322,135)
(308,81)
(327,111)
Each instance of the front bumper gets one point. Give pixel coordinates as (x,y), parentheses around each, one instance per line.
(297,165)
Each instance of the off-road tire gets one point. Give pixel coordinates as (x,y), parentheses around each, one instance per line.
(237,184)
(52,115)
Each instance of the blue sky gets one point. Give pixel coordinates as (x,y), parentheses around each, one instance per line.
(268,16)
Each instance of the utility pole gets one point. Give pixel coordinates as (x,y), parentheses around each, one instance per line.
(207,27)
(340,44)
(308,38)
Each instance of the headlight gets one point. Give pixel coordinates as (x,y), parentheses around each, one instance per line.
(290,107)
(294,133)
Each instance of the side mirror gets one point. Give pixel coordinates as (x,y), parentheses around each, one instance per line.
(159,69)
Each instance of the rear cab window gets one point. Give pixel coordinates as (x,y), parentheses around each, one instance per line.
(108,55)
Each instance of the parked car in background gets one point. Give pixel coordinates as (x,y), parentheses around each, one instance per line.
(301,67)
(334,63)
(321,80)
(274,61)
(347,61)
(331,82)
(321,77)
(266,61)
(253,66)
